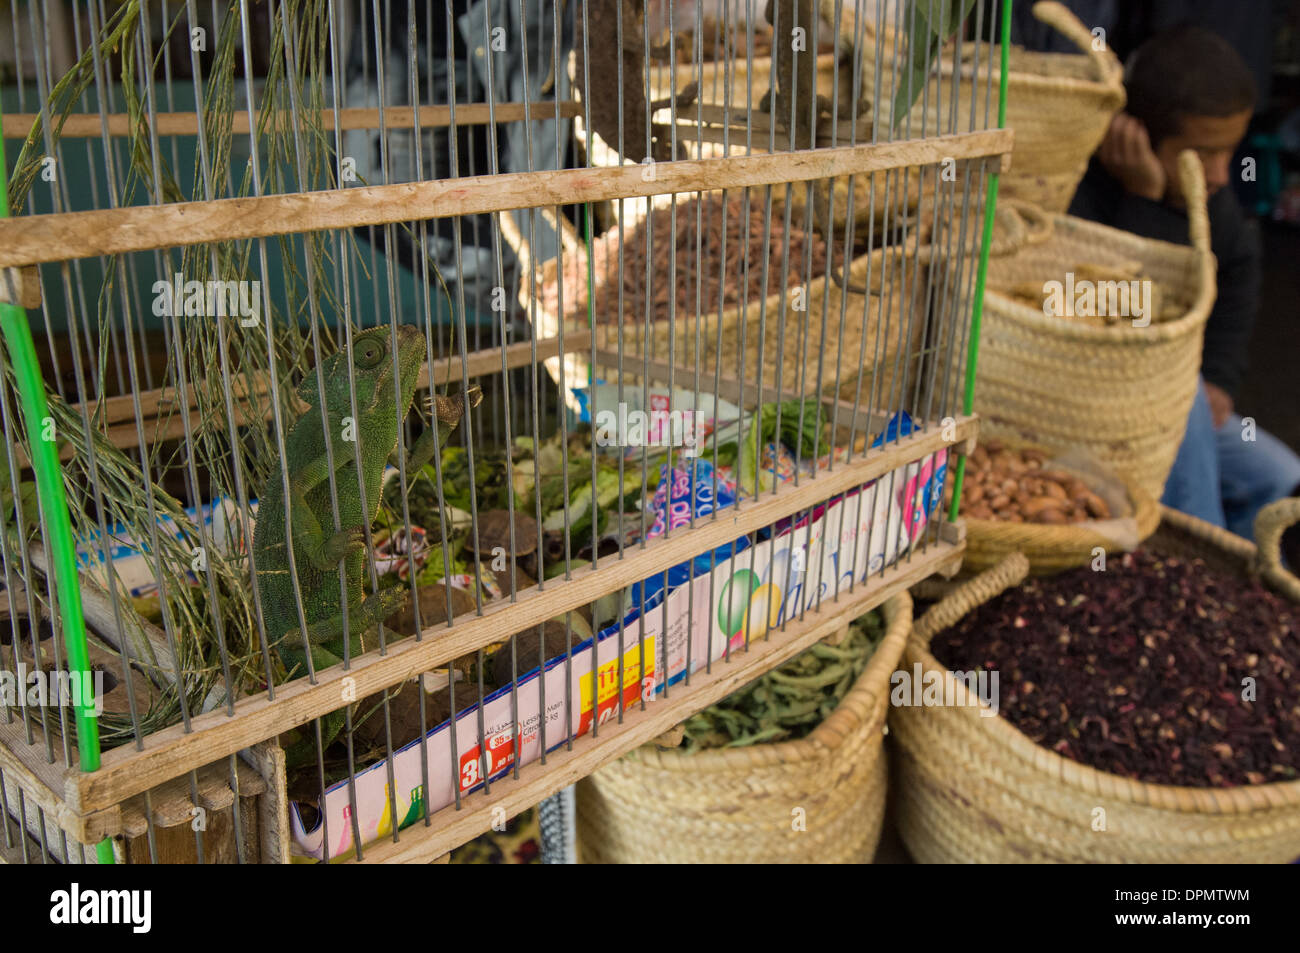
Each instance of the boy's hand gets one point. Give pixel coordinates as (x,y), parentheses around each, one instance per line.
(1127,155)
(1220,404)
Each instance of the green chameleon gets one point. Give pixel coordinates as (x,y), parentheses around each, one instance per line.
(317,550)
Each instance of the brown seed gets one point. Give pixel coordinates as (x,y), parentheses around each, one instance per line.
(1008,461)
(1096,507)
(1037,505)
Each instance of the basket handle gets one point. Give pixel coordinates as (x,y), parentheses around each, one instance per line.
(991,583)
(1024,224)
(1061,19)
(1192,176)
(1271,522)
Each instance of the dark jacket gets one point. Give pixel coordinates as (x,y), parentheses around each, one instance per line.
(1235,241)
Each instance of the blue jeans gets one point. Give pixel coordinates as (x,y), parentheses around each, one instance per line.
(1224,477)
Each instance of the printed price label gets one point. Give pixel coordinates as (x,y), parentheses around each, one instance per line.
(607,694)
(500,755)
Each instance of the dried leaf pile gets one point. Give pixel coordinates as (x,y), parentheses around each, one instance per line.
(788,702)
(1158,669)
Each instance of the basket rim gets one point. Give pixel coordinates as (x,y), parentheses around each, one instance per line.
(1145,248)
(1118,334)
(1108,90)
(1183,799)
(859,707)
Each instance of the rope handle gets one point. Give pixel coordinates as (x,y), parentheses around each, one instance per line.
(1060,18)
(1270,524)
(1192,176)
(990,584)
(1021,224)
(1016,225)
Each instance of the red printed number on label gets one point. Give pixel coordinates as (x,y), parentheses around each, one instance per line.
(500,755)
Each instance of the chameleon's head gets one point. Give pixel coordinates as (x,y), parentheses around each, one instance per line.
(372,370)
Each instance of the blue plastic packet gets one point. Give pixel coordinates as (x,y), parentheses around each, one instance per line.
(692,483)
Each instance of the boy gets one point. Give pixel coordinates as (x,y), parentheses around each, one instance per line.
(1188,89)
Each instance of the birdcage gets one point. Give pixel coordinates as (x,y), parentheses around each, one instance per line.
(359,553)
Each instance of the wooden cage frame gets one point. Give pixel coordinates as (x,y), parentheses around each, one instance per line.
(92,806)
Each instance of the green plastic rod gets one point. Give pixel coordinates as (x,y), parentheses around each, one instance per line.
(54,507)
(591,308)
(977,312)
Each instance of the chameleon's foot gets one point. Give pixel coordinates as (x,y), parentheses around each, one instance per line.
(362,617)
(450,409)
(385,603)
(343,544)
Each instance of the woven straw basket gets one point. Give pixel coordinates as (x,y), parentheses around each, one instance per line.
(1059,104)
(812,347)
(973,789)
(1121,393)
(1049,548)
(838,339)
(735,805)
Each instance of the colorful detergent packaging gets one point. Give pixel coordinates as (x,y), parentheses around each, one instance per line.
(688,489)
(916,490)
(918,486)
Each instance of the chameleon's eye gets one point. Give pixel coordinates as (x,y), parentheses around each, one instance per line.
(367,354)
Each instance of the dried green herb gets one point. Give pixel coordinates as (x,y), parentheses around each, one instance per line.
(790,701)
